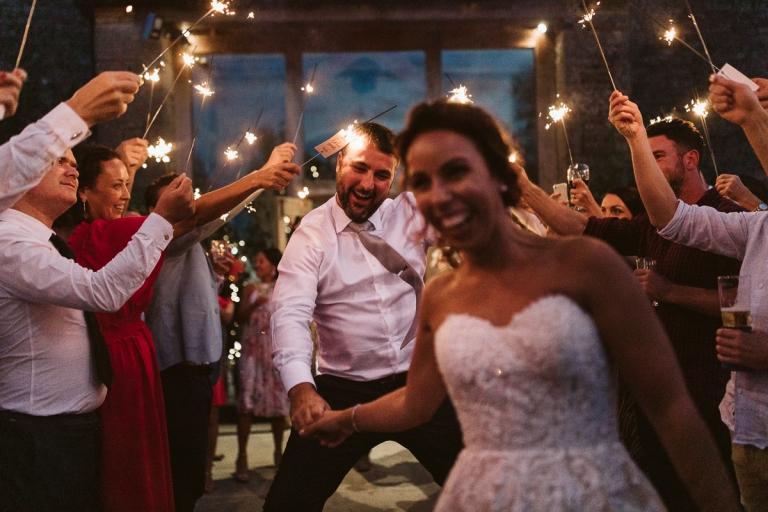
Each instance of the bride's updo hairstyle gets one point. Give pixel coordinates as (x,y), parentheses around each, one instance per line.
(472,122)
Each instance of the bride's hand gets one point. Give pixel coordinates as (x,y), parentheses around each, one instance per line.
(331,429)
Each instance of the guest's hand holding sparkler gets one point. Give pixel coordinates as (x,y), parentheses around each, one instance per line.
(105,97)
(730,186)
(582,197)
(625,116)
(10,87)
(282,153)
(276,177)
(133,153)
(736,102)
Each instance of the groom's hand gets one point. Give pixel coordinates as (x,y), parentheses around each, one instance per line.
(306,405)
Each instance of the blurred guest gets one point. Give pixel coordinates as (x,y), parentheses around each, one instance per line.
(622,202)
(261,391)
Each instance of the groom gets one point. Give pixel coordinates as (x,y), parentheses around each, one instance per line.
(363,314)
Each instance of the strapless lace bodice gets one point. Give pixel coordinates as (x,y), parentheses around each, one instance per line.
(537,405)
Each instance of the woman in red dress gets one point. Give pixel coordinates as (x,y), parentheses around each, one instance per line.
(135,463)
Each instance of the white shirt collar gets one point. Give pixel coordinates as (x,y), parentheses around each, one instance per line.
(28,223)
(341,221)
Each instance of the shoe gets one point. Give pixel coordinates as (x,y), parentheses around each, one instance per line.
(278,456)
(209,485)
(364,464)
(242,474)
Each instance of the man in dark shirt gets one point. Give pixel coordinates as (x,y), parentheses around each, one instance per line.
(684,285)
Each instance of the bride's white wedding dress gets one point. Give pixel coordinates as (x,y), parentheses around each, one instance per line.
(537,405)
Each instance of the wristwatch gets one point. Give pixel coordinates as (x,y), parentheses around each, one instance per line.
(762,207)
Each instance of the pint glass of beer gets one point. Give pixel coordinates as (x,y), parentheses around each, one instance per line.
(735,294)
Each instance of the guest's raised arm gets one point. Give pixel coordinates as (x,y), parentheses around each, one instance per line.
(738,104)
(561,219)
(657,195)
(10,88)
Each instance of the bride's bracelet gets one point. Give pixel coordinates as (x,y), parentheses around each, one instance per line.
(354,425)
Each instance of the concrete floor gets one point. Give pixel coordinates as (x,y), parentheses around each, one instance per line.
(395,482)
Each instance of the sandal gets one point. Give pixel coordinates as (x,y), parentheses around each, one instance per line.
(242,474)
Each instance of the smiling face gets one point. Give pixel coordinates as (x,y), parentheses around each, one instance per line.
(454,188)
(108,197)
(57,191)
(364,175)
(670,160)
(613,206)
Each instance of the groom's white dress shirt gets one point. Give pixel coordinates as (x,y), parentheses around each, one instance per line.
(362,311)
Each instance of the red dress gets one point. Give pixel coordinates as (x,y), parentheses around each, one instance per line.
(135,464)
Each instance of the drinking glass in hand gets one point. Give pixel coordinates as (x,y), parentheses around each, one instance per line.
(735,295)
(647,264)
(580,172)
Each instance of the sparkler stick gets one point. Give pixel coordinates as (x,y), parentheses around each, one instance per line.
(588,18)
(368,121)
(308,89)
(149,125)
(696,25)
(21,50)
(648,15)
(251,138)
(699,108)
(231,154)
(26,31)
(205,92)
(215,7)
(449,79)
(153,78)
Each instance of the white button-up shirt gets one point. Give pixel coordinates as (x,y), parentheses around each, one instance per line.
(743,236)
(46,366)
(362,311)
(26,158)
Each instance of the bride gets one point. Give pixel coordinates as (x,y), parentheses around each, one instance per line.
(523,336)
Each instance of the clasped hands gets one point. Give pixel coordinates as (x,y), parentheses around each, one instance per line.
(312,416)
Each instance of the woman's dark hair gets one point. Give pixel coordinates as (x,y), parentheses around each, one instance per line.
(472,122)
(630,197)
(274,256)
(89,159)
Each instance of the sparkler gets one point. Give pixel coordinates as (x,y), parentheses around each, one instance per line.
(709,59)
(671,33)
(251,138)
(160,150)
(220,7)
(587,18)
(205,91)
(231,154)
(152,78)
(701,109)
(459,95)
(348,134)
(188,61)
(307,90)
(557,114)
(21,50)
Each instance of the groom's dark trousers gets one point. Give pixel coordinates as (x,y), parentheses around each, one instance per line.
(310,473)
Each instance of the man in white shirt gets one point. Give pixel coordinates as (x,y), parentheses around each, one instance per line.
(49,389)
(363,314)
(27,157)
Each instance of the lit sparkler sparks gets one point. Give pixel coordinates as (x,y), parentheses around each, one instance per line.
(459,95)
(557,114)
(231,154)
(701,109)
(308,88)
(251,138)
(189,60)
(197,194)
(160,150)
(660,119)
(204,90)
(670,35)
(250,15)
(513,158)
(220,7)
(153,77)
(587,17)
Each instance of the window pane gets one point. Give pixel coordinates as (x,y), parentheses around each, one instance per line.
(503,82)
(358,86)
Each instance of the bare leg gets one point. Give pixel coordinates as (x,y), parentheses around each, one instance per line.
(278,427)
(244,421)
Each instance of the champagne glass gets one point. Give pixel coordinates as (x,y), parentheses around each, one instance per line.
(577,171)
(219,251)
(647,264)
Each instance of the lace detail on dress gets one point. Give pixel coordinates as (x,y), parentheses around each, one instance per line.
(537,405)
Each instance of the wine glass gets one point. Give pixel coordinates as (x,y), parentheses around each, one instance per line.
(647,264)
(577,171)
